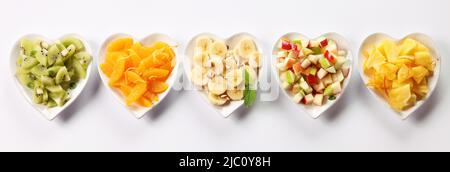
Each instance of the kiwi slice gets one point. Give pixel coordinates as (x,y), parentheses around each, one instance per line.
(39,70)
(67,41)
(52,54)
(84,58)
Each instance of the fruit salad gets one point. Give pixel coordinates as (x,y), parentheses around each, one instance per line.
(312,71)
(138,71)
(52,70)
(226,72)
(399,71)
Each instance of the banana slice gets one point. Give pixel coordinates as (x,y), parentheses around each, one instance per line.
(217,85)
(217,65)
(236,94)
(199,76)
(255,60)
(230,63)
(201,59)
(246,46)
(218,48)
(235,77)
(217,99)
(203,42)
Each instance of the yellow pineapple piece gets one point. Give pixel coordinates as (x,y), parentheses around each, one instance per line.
(407,47)
(419,73)
(399,97)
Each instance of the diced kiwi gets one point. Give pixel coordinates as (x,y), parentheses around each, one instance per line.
(79,70)
(55,89)
(52,71)
(41,58)
(26,79)
(27,46)
(84,58)
(47,81)
(69,51)
(67,41)
(39,70)
(62,75)
(29,62)
(52,54)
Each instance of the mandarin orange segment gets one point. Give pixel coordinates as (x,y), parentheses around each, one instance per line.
(155,74)
(136,93)
(120,44)
(138,71)
(118,72)
(144,102)
(158,86)
(133,77)
(106,69)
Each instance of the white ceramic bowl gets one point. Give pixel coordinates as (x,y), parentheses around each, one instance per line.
(136,110)
(232,41)
(49,113)
(432,81)
(312,110)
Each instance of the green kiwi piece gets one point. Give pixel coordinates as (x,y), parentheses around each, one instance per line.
(67,41)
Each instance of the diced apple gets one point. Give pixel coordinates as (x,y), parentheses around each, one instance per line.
(324,63)
(306,63)
(319,87)
(322,73)
(337,77)
(327,80)
(340,61)
(296,89)
(282,54)
(306,52)
(331,69)
(298,97)
(318,100)
(290,77)
(297,68)
(323,42)
(313,43)
(331,47)
(286,64)
(345,71)
(333,89)
(293,55)
(285,45)
(285,85)
(314,58)
(308,99)
(312,70)
(303,84)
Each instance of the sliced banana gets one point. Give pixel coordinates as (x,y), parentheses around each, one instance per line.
(218,48)
(203,42)
(236,94)
(246,46)
(235,77)
(217,65)
(217,85)
(201,59)
(199,76)
(230,63)
(255,60)
(217,99)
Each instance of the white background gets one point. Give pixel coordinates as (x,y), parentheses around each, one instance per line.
(184,122)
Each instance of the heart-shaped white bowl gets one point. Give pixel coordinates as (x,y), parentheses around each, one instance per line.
(136,110)
(232,41)
(432,81)
(314,111)
(49,113)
